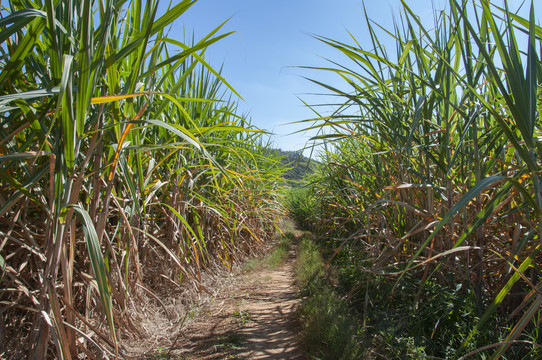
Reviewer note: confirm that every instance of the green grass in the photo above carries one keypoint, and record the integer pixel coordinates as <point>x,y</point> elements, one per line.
<point>309,266</point>
<point>329,331</point>
<point>279,254</point>
<point>273,259</point>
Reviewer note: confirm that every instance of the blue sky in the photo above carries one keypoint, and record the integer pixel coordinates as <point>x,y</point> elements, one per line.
<point>273,39</point>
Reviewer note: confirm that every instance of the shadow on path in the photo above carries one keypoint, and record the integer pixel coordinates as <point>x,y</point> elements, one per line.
<point>257,321</point>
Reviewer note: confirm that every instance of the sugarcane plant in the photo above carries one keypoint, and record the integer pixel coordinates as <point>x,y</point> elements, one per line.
<point>125,171</point>
<point>433,162</point>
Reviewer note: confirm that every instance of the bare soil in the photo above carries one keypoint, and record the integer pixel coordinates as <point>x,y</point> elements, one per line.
<point>251,318</point>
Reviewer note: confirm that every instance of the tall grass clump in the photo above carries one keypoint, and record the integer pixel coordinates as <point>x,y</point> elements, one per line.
<point>432,186</point>
<point>125,173</point>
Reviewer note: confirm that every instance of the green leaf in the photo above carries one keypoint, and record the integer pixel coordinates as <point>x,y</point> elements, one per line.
<point>65,111</point>
<point>98,265</point>
<point>471,194</point>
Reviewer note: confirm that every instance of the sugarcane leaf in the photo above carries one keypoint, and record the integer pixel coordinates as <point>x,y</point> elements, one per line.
<point>64,109</point>
<point>500,297</point>
<point>98,265</point>
<point>471,194</point>
<point>520,326</point>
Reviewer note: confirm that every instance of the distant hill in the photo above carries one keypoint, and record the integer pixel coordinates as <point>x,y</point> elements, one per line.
<point>300,166</point>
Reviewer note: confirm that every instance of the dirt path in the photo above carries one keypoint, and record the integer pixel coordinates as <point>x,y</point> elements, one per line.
<point>252,319</point>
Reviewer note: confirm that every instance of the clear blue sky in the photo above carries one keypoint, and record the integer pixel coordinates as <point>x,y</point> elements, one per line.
<point>274,37</point>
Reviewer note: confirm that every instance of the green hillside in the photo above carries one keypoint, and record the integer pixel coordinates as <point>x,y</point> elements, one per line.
<point>298,165</point>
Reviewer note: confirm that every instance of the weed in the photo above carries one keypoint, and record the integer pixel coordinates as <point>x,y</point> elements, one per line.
<point>242,317</point>
<point>230,341</point>
<point>162,354</point>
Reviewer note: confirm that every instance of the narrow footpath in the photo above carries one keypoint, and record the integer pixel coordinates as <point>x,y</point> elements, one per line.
<point>253,319</point>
